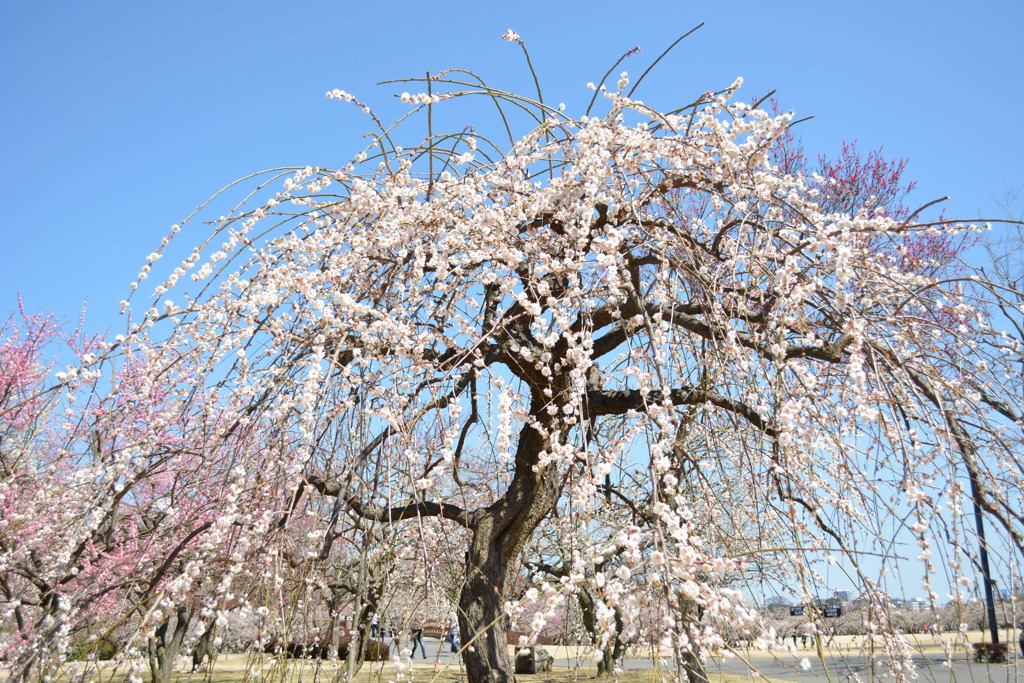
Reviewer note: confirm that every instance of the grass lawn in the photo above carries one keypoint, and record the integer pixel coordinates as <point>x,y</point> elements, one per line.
<point>232,669</point>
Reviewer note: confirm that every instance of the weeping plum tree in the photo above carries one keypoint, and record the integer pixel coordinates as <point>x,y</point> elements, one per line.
<point>454,338</point>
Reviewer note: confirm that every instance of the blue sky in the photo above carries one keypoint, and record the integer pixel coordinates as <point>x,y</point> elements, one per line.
<point>119,117</point>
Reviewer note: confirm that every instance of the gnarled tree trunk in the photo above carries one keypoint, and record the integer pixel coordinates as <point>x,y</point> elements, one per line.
<point>499,533</point>
<point>612,654</point>
<point>166,644</point>
<point>365,608</point>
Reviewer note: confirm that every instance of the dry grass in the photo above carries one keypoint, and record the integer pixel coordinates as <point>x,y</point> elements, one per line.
<point>234,669</point>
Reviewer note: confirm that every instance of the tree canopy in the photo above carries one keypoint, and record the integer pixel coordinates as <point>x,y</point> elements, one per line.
<point>636,332</point>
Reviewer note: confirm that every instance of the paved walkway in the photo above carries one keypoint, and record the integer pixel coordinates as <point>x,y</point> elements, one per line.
<point>842,668</point>
<point>845,669</point>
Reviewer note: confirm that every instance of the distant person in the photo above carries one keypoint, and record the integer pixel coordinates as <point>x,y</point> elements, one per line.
<point>375,626</point>
<point>416,636</point>
<point>453,633</point>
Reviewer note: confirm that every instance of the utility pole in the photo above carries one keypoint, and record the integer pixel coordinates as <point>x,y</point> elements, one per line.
<point>990,605</point>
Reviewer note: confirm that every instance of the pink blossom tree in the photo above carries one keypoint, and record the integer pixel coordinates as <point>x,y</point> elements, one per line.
<point>105,501</point>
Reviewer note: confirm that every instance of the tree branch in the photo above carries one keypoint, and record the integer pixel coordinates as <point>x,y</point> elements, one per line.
<point>390,515</point>
<point>617,402</point>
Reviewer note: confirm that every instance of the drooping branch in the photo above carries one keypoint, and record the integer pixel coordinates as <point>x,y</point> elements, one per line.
<point>831,353</point>
<point>394,514</point>
<point>171,557</point>
<point>618,402</point>
<point>967,449</point>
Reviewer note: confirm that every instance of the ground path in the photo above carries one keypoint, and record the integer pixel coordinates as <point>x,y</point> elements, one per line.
<point>844,664</point>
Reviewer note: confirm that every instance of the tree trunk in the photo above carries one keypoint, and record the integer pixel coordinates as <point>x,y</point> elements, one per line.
<point>334,602</point>
<point>370,607</point>
<point>588,610</point>
<point>163,649</point>
<point>203,648</point>
<point>482,618</point>
<point>689,665</point>
<point>499,533</point>
<point>363,613</point>
<point>39,654</point>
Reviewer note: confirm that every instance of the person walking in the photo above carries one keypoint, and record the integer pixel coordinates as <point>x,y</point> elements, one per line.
<point>394,633</point>
<point>454,634</point>
<point>416,636</point>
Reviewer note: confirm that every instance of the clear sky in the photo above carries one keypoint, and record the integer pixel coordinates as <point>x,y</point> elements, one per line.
<point>118,118</point>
